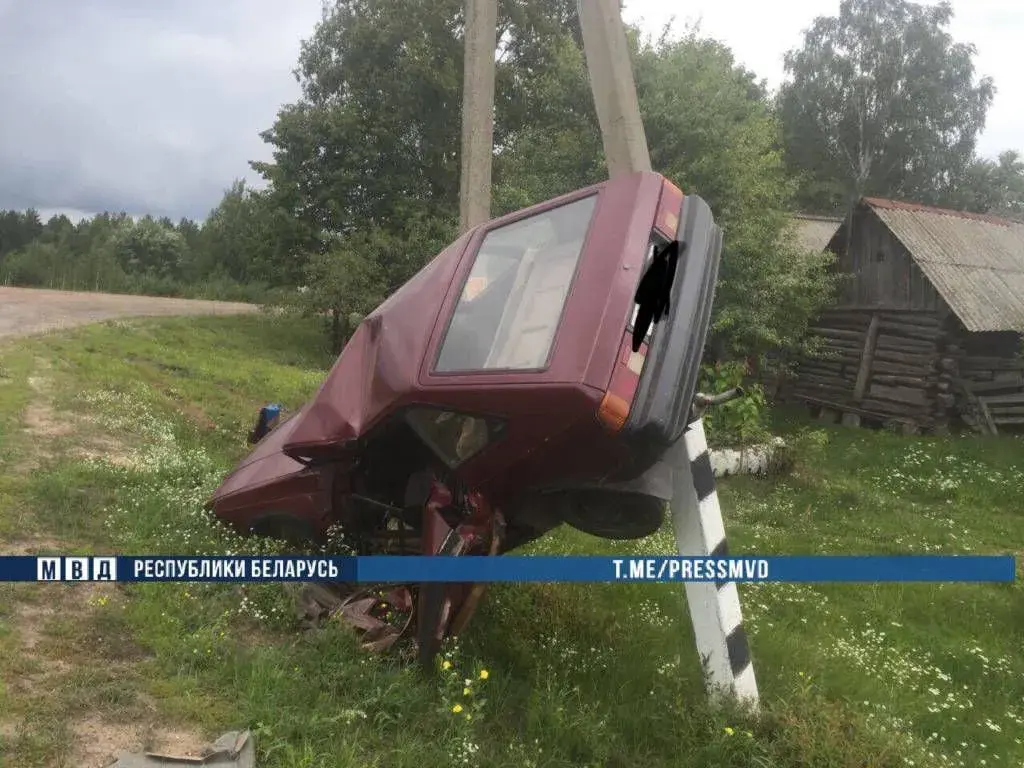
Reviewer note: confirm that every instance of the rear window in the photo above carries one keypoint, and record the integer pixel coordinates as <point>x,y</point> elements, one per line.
<point>512,302</point>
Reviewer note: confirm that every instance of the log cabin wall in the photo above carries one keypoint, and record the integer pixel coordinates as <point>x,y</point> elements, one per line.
<point>883,349</point>
<point>989,382</point>
<point>892,349</point>
<point>885,365</point>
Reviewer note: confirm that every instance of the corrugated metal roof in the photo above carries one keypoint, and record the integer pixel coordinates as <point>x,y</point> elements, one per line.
<point>813,233</point>
<point>975,262</point>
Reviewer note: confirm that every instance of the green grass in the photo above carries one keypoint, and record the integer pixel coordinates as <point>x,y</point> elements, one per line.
<point>578,675</point>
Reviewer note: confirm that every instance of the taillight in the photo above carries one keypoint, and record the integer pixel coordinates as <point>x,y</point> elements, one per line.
<point>614,408</point>
<point>666,220</point>
<point>613,412</point>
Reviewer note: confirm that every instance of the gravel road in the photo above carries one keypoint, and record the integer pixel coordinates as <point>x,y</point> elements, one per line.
<point>26,311</point>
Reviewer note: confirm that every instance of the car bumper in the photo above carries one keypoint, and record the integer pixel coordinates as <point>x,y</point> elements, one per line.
<point>661,408</point>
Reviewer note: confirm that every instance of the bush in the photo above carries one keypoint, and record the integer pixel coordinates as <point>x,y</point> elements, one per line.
<point>739,422</point>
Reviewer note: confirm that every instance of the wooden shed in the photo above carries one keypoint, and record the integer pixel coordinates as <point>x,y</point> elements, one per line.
<point>927,330</point>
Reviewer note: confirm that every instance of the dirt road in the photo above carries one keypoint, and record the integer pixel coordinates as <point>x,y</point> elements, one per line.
<point>26,311</point>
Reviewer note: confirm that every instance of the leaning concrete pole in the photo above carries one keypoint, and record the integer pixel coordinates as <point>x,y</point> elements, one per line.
<point>477,113</point>
<point>696,516</point>
<point>611,80</point>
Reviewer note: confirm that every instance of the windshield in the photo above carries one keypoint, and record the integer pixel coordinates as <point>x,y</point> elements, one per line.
<point>512,302</point>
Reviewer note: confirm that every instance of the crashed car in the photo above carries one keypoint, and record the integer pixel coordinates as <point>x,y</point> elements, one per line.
<point>535,373</point>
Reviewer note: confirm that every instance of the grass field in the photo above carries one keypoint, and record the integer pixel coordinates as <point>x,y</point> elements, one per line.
<point>111,438</point>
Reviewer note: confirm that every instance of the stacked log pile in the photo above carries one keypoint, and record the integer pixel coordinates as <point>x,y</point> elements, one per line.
<point>885,366</point>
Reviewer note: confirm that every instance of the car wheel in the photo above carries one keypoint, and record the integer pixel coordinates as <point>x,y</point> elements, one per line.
<point>614,515</point>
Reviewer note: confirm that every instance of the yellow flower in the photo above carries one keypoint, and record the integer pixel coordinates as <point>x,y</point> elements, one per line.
<point>484,674</point>
<point>469,716</point>
<point>465,691</point>
<point>729,731</point>
<point>457,708</point>
<point>446,665</point>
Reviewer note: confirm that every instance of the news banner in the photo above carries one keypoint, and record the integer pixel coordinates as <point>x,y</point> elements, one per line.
<point>511,568</point>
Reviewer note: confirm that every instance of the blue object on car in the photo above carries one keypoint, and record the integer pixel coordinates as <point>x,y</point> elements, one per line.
<point>267,420</point>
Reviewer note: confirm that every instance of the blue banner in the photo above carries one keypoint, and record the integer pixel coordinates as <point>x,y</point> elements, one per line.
<point>515,568</point>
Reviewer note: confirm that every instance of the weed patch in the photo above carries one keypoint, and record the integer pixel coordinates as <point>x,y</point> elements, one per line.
<point>547,675</point>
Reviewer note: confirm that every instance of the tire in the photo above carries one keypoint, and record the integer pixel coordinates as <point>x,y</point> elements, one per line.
<point>614,515</point>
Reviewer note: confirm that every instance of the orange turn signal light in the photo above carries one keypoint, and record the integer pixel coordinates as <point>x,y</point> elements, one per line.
<point>613,412</point>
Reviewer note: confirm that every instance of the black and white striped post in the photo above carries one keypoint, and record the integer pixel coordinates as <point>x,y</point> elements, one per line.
<point>714,607</point>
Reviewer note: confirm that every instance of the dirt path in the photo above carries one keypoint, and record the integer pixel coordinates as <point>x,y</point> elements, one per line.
<point>52,640</point>
<point>26,311</point>
<point>64,656</point>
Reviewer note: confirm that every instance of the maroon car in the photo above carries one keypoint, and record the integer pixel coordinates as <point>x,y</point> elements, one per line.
<point>533,374</point>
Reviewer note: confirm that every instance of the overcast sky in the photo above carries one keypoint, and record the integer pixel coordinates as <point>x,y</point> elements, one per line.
<point>155,106</point>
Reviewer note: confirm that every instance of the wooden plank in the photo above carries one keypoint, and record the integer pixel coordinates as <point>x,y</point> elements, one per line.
<point>834,382</point>
<point>920,319</point>
<point>1006,376</point>
<point>987,417</point>
<point>822,365</point>
<point>991,363</point>
<point>839,319</point>
<point>920,382</point>
<point>891,407</point>
<point>1014,420</point>
<point>866,358</point>
<point>827,349</point>
<point>991,386</point>
<point>845,407</point>
<point>999,412</point>
<point>1012,399</point>
<point>838,334</point>
<point>815,393</point>
<point>904,358</point>
<point>915,332</point>
<point>897,369</point>
<point>907,395</point>
<point>888,341</point>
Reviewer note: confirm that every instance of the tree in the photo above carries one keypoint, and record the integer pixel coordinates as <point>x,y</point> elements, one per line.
<point>346,280</point>
<point>994,187</point>
<point>880,100</point>
<point>374,138</point>
<point>18,229</point>
<point>149,248</point>
<point>248,239</point>
<point>710,129</point>
<point>374,141</point>
<point>371,165</point>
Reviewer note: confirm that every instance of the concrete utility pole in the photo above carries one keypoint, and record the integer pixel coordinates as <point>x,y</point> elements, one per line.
<point>477,113</point>
<point>697,518</point>
<point>611,80</point>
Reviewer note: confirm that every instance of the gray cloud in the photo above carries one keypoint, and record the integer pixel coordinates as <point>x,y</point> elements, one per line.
<point>155,106</point>
<point>144,107</point>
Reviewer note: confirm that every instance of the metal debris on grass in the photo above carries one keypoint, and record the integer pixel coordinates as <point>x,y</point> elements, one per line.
<point>235,749</point>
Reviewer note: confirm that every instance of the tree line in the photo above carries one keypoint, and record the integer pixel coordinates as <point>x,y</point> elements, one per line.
<point>239,252</point>
<point>363,185</point>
